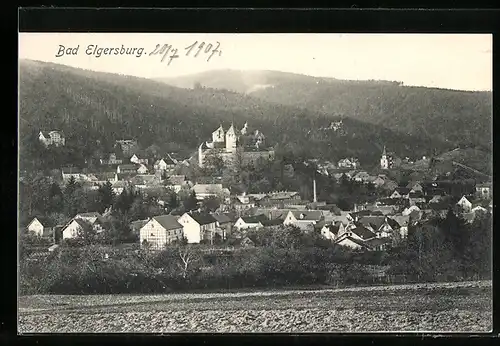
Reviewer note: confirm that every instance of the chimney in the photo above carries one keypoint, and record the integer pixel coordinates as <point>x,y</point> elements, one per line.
<point>314,191</point>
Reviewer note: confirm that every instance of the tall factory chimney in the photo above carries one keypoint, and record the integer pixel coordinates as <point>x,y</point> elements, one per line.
<point>315,199</point>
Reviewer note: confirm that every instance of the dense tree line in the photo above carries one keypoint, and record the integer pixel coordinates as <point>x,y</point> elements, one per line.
<point>441,250</point>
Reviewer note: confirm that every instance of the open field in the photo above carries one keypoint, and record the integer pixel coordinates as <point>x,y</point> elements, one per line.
<point>447,307</point>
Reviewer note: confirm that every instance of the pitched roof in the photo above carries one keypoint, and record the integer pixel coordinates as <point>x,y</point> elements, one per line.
<point>363,232</point>
<point>221,218</point>
<point>130,167</point>
<point>374,221</point>
<point>207,188</point>
<point>143,179</point>
<point>378,241</point>
<point>274,222</point>
<point>255,218</point>
<point>402,220</point>
<point>354,240</point>
<point>402,190</point>
<point>281,195</point>
<point>138,224</point>
<point>416,194</point>
<point>393,223</point>
<point>169,160</point>
<point>177,179</point>
<point>89,214</point>
<point>168,222</point>
<point>202,218</point>
<point>311,215</point>
<point>104,176</point>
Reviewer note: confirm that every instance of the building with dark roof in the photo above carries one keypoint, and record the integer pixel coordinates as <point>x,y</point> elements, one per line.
<point>159,231</point>
<point>198,226</point>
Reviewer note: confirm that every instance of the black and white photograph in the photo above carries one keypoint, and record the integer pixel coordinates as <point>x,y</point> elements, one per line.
<point>255,183</point>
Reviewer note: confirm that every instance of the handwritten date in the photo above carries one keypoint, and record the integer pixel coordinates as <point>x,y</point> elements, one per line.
<point>169,52</point>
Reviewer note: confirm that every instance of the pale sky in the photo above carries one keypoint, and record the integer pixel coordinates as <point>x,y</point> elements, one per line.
<point>452,61</point>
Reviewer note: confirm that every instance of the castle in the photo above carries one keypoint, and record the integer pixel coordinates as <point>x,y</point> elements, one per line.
<point>230,144</point>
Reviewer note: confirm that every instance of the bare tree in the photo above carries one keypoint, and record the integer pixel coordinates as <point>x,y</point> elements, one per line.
<point>187,257</point>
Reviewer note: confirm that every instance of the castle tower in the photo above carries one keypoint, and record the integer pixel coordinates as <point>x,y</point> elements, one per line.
<point>200,155</point>
<point>231,139</point>
<point>218,135</point>
<point>244,130</point>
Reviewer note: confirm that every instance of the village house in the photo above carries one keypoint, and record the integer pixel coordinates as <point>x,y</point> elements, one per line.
<point>40,227</point>
<point>160,231</point>
<point>55,138</point>
<point>352,163</point>
<point>272,223</point>
<point>304,220</point>
<point>203,191</point>
<point>401,192</point>
<point>331,231</point>
<point>416,197</point>
<point>165,165</point>
<point>242,202</point>
<point>376,181</point>
<point>177,182</point>
<point>111,159</point>
<point>224,221</point>
<point>464,205</point>
<point>198,226</point>
<point>279,199</point>
<point>247,222</point>
<point>483,191</point>
<point>361,176</point>
<point>415,187</point>
<point>80,222</point>
<point>355,238</point>
<point>143,181</point>
<point>137,160</point>
<point>119,186</point>
<point>104,177</point>
<point>389,185</point>
<point>378,244</point>
<point>142,169</point>
<point>75,173</point>
<point>127,146</point>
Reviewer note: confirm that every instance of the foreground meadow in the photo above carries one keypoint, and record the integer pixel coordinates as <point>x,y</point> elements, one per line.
<point>447,307</point>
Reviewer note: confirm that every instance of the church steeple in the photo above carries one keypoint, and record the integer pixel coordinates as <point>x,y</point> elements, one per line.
<point>384,152</point>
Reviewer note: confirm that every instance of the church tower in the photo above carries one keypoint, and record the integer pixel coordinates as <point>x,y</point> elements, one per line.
<point>231,139</point>
<point>218,135</point>
<point>384,160</point>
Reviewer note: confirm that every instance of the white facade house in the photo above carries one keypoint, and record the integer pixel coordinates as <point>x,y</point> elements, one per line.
<point>197,226</point>
<point>142,169</point>
<point>483,191</point>
<point>36,227</point>
<point>304,220</point>
<point>72,229</point>
<point>465,204</point>
<point>246,222</point>
<point>160,231</point>
<point>55,138</point>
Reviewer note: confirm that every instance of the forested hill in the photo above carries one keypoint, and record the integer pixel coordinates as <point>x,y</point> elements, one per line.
<point>460,117</point>
<point>92,106</point>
